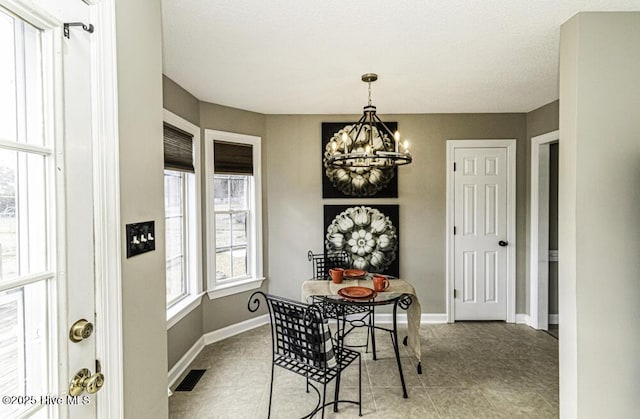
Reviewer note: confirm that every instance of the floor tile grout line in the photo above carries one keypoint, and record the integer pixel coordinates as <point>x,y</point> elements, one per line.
<point>433,403</point>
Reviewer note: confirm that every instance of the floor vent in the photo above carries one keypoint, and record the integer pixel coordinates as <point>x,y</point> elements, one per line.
<point>190,380</point>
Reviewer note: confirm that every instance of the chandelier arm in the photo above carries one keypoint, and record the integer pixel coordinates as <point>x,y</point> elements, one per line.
<point>357,124</point>
<point>384,126</point>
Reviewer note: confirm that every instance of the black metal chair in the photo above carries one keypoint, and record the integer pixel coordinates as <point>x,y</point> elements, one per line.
<point>302,344</point>
<point>321,263</point>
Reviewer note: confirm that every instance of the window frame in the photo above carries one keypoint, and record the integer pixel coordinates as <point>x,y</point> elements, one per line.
<point>248,211</point>
<point>193,227</point>
<point>185,209</point>
<point>229,286</point>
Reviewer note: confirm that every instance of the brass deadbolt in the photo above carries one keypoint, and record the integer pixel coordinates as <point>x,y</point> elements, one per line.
<point>80,330</point>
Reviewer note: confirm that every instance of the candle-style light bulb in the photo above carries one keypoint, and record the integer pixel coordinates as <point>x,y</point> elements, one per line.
<point>367,150</point>
<point>334,146</point>
<point>396,136</point>
<point>406,145</point>
<point>344,141</point>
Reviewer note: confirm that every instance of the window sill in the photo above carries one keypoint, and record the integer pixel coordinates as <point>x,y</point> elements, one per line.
<point>236,287</point>
<point>178,311</point>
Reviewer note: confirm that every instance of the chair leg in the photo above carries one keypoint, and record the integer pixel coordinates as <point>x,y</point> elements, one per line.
<point>368,332</point>
<point>271,390</point>
<point>373,332</point>
<point>359,385</point>
<point>324,397</point>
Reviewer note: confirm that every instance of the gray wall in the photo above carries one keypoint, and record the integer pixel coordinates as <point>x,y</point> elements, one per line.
<point>295,207</point>
<point>539,121</point>
<point>599,206</point>
<point>179,101</point>
<point>139,66</point>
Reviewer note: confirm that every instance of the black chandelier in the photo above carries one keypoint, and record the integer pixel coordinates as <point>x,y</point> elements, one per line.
<point>369,142</point>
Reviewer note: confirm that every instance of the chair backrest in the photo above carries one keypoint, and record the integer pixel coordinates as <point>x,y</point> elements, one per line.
<point>299,332</point>
<point>322,262</point>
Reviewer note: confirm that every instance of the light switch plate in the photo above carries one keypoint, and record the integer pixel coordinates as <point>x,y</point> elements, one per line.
<point>141,238</point>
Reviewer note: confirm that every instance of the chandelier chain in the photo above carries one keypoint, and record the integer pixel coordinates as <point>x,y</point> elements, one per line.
<point>369,93</point>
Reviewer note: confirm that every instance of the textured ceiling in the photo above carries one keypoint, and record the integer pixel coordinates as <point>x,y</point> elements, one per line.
<point>297,56</point>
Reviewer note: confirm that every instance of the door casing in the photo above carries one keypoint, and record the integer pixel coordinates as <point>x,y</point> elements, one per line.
<point>510,145</point>
<point>539,231</point>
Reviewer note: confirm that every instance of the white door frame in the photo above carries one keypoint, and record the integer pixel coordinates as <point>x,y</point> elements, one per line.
<point>510,145</point>
<point>539,230</point>
<point>106,186</point>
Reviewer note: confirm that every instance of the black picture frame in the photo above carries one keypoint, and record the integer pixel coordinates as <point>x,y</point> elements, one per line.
<point>329,190</point>
<point>374,225</point>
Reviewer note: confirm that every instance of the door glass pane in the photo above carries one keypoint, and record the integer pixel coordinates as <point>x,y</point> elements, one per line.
<point>23,344</point>
<point>221,193</point>
<point>23,227</point>
<point>238,192</point>
<point>223,264</point>
<point>7,78</point>
<point>21,108</point>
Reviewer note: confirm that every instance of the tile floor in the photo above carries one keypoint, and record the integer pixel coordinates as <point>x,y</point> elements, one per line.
<point>470,370</point>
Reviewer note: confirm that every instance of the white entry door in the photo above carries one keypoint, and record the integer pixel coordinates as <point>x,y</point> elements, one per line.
<point>480,237</point>
<point>46,212</point>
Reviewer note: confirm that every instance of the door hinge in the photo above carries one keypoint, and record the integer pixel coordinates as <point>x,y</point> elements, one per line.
<point>454,166</point>
<point>455,293</point>
<point>455,230</point>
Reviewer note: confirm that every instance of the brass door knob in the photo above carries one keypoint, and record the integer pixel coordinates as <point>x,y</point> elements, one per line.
<point>80,330</point>
<point>95,383</point>
<point>84,380</point>
<point>78,382</point>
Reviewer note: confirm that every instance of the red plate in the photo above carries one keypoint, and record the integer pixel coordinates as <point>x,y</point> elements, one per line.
<point>354,273</point>
<point>356,293</point>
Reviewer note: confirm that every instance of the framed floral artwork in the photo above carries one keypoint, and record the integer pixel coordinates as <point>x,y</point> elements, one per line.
<point>369,234</point>
<point>356,182</point>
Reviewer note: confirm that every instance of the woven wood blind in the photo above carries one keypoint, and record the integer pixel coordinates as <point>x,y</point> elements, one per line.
<point>232,158</point>
<point>178,149</point>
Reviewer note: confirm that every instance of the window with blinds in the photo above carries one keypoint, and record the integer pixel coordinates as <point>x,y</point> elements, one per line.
<point>233,168</point>
<point>179,203</point>
<point>234,212</point>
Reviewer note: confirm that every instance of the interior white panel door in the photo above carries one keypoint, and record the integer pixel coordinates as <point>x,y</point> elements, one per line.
<point>480,271</point>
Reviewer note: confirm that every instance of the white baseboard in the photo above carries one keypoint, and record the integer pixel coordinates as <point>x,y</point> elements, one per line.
<point>176,371</point>
<point>208,338</point>
<point>234,329</point>
<point>522,319</point>
<point>426,318</point>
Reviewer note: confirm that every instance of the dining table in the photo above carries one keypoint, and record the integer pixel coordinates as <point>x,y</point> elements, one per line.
<point>399,294</point>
